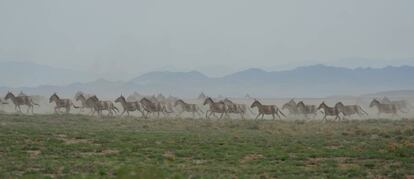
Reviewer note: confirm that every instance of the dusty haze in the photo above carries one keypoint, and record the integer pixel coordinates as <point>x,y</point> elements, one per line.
<point>128,38</point>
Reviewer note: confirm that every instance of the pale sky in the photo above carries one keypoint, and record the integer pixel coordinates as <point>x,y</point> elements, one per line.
<point>212,36</point>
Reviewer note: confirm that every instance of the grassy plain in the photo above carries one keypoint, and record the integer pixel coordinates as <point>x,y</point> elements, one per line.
<point>76,146</point>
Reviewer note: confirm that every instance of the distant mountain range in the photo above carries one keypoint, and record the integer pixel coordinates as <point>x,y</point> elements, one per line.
<point>32,74</point>
<point>308,81</point>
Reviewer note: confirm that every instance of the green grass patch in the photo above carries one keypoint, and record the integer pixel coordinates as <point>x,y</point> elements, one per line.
<point>76,146</point>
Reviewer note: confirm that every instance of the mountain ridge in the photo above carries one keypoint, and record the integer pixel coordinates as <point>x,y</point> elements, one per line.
<point>307,81</point>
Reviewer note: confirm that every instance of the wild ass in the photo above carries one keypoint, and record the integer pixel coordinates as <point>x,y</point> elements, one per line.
<point>129,106</point>
<point>384,108</point>
<point>349,110</point>
<point>21,101</point>
<point>82,98</point>
<point>215,107</point>
<point>329,111</point>
<point>100,106</point>
<point>235,108</point>
<point>291,106</point>
<point>186,107</point>
<point>61,103</point>
<point>306,109</point>
<point>266,110</point>
<point>152,107</point>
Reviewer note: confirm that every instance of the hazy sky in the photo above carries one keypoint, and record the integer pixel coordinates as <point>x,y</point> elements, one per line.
<point>213,36</point>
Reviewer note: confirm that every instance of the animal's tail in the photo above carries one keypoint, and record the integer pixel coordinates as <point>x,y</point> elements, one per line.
<point>31,100</point>
<point>281,112</point>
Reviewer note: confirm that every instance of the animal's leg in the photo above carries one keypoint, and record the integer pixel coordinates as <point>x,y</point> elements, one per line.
<point>278,115</point>
<point>273,116</point>
<point>110,112</point>
<point>257,116</point>
<point>211,113</point>
<point>221,116</point>
<point>208,116</point>
<point>141,112</point>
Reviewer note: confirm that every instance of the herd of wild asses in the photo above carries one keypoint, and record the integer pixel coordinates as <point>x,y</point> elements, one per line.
<point>153,106</point>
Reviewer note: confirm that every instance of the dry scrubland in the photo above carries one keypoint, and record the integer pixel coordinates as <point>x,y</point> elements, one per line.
<point>82,146</point>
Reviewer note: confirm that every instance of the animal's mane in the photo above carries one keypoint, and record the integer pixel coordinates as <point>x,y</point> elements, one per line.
<point>146,99</point>
<point>180,100</point>
<point>94,97</point>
